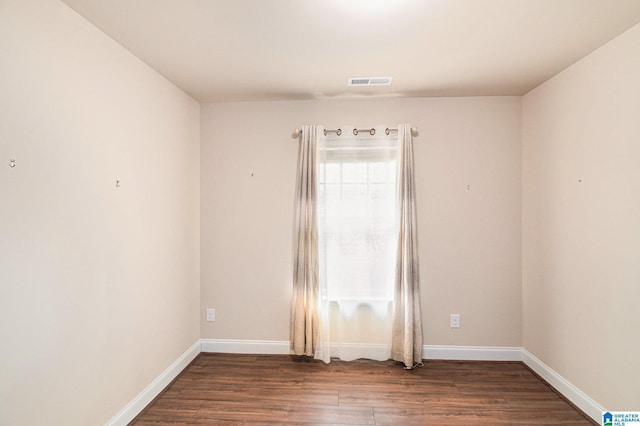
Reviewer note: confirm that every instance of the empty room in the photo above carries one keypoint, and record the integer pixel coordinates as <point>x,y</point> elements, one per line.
<point>319,212</point>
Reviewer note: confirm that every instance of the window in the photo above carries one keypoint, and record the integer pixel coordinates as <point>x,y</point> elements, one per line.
<point>357,228</point>
<point>346,197</point>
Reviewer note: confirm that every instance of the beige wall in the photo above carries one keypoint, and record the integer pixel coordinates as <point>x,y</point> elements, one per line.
<point>581,223</point>
<point>534,244</point>
<point>99,286</point>
<point>470,240</point>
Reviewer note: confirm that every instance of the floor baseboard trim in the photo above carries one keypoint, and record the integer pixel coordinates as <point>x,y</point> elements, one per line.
<point>256,347</point>
<point>472,353</point>
<point>135,407</point>
<point>271,347</point>
<point>562,385</point>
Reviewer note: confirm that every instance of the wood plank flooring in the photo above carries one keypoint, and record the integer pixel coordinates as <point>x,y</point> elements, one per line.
<point>278,389</point>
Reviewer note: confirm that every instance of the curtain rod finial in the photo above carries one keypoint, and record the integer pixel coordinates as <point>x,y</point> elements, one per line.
<point>414,131</point>
<point>296,133</point>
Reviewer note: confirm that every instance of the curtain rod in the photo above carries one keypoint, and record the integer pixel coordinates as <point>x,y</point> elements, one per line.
<point>372,131</point>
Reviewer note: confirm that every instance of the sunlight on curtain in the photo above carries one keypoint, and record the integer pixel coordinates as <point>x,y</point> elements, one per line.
<point>305,303</point>
<point>407,322</point>
<point>357,242</point>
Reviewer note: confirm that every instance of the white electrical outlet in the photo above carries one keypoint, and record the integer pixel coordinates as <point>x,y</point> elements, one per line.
<point>455,320</point>
<point>211,314</point>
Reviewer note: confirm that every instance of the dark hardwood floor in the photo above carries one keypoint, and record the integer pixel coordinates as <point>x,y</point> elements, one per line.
<point>279,389</point>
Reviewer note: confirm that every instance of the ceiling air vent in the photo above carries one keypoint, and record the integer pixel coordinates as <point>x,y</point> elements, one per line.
<point>369,81</point>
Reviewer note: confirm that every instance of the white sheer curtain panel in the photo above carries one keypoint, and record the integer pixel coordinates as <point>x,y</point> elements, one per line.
<point>305,312</point>
<point>407,322</point>
<point>356,280</point>
<point>357,241</point>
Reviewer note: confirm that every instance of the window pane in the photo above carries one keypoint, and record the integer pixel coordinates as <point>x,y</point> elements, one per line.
<point>382,200</point>
<point>354,172</point>
<point>382,172</point>
<point>332,172</point>
<point>357,224</point>
<point>354,201</point>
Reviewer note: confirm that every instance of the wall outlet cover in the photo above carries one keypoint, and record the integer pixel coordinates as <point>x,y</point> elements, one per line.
<point>211,314</point>
<point>455,320</point>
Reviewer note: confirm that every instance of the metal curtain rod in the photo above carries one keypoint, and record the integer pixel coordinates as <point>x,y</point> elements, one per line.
<point>372,131</point>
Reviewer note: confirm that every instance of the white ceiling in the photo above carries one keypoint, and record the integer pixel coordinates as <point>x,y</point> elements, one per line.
<point>237,50</point>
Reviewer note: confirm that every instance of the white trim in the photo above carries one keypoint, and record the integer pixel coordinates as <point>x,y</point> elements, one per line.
<point>347,352</point>
<point>472,353</point>
<point>257,347</point>
<point>275,347</point>
<point>135,407</point>
<point>562,385</point>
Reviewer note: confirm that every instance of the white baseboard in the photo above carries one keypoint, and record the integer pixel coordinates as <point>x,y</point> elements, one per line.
<point>257,347</point>
<point>274,347</point>
<point>572,393</point>
<point>472,353</point>
<point>271,347</point>
<point>131,410</point>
